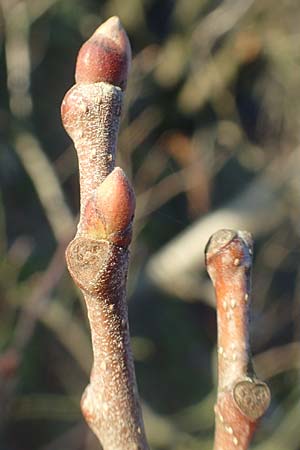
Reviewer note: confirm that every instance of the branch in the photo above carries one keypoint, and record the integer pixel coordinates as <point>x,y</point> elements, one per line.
<point>98,256</point>
<point>242,398</point>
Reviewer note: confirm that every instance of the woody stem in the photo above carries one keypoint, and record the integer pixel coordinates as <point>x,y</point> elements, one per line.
<point>241,399</point>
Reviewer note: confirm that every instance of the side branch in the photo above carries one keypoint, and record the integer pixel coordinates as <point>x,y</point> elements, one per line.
<point>242,398</point>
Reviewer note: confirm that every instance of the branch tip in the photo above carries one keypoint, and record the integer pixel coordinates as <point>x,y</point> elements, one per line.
<point>239,244</point>
<point>106,56</point>
<point>217,241</point>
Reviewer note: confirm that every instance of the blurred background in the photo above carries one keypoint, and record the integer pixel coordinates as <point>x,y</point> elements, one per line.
<point>210,139</point>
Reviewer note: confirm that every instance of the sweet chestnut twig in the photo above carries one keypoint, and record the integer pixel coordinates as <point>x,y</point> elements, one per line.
<point>242,399</point>
<point>97,257</point>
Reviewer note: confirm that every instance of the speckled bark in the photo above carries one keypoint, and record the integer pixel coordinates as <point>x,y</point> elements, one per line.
<point>242,399</point>
<point>97,258</point>
<point>91,116</point>
<point>110,402</point>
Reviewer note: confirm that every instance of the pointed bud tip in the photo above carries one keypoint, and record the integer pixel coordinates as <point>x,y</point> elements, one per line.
<point>117,197</point>
<point>106,56</point>
<point>111,28</point>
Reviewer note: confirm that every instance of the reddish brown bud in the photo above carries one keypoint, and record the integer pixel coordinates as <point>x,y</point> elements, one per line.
<point>94,225</point>
<point>106,56</point>
<point>109,215</point>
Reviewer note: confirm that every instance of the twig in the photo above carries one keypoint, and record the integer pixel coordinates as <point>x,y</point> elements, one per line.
<point>98,256</point>
<point>242,398</point>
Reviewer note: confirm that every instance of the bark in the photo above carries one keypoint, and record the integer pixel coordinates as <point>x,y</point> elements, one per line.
<point>242,399</point>
<point>97,258</point>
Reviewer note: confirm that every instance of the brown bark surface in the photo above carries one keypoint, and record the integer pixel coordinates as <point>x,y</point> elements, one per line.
<point>97,258</point>
<point>242,399</point>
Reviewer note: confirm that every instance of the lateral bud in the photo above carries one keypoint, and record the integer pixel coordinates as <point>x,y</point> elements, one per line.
<point>109,214</point>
